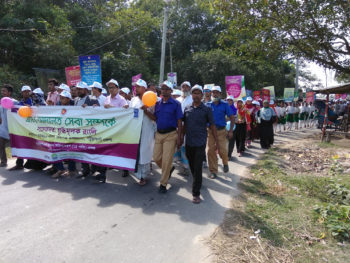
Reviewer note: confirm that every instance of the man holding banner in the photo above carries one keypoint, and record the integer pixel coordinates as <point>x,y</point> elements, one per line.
<point>147,133</point>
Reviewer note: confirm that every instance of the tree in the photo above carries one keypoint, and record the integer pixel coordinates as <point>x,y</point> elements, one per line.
<point>316,30</point>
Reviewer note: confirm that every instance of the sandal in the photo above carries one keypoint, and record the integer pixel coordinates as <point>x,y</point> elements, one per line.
<point>142,182</point>
<point>212,176</point>
<point>196,200</point>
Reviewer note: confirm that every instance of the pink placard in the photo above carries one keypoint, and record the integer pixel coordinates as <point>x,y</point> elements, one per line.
<point>233,85</point>
<point>310,96</point>
<point>73,75</point>
<point>133,80</point>
<point>257,95</point>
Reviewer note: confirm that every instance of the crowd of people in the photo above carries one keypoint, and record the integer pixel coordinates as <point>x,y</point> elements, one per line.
<point>191,126</point>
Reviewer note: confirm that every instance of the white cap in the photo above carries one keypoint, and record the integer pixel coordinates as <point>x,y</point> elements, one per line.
<point>187,83</point>
<point>104,91</point>
<point>82,85</point>
<point>217,88</point>
<point>206,86</point>
<point>66,94</point>
<point>256,102</point>
<point>64,87</point>
<point>176,92</point>
<point>113,81</point>
<point>250,98</point>
<point>24,88</point>
<point>229,98</point>
<point>96,85</point>
<point>196,87</point>
<point>272,102</point>
<point>38,91</point>
<point>168,84</point>
<point>141,83</point>
<point>125,90</point>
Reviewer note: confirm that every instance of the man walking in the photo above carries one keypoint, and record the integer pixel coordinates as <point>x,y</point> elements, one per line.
<point>196,119</point>
<point>168,115</point>
<point>221,109</point>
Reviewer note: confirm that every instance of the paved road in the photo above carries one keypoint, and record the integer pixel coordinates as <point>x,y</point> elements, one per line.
<point>74,220</point>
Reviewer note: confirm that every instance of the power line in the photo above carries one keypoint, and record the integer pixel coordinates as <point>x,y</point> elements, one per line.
<point>37,29</point>
<point>109,42</point>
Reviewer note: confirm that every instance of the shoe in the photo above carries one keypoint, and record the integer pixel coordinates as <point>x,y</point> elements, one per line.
<point>162,189</point>
<point>225,168</point>
<point>142,182</point>
<point>125,173</point>
<point>3,165</point>
<point>171,171</point>
<point>83,175</point>
<point>240,154</point>
<point>17,167</point>
<point>196,200</point>
<point>57,174</point>
<point>212,176</point>
<point>101,178</point>
<point>69,174</point>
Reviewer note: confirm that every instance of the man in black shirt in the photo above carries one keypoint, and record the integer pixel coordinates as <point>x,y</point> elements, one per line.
<point>196,119</point>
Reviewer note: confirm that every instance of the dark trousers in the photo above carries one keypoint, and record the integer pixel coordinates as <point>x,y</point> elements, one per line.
<point>266,136</point>
<point>231,144</point>
<point>94,168</point>
<point>19,162</point>
<point>241,130</point>
<point>3,157</point>
<point>60,166</point>
<point>195,156</point>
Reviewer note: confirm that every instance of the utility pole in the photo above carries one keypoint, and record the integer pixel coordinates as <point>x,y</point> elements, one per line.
<point>297,76</point>
<point>162,58</point>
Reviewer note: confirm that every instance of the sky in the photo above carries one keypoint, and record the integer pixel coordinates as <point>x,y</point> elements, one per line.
<point>320,73</point>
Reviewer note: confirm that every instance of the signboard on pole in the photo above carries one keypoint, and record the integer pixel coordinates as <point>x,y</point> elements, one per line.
<point>90,67</point>
<point>310,97</point>
<point>265,94</point>
<point>288,94</point>
<point>256,95</point>
<point>272,91</point>
<point>234,85</point>
<point>172,77</point>
<point>73,75</point>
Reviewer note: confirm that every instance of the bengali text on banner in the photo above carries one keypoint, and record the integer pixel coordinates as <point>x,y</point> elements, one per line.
<point>105,137</point>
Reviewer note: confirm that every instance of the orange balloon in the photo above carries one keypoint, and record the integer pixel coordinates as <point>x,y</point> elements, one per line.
<point>25,111</point>
<point>149,98</point>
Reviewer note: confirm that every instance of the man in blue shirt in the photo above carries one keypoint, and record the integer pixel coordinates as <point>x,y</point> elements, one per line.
<point>221,109</point>
<point>168,114</point>
<point>197,117</point>
<point>25,101</point>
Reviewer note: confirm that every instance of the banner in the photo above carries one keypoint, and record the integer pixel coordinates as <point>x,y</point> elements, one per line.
<point>256,95</point>
<point>288,94</point>
<point>265,94</point>
<point>134,79</point>
<point>310,97</point>
<point>73,76</point>
<point>95,135</point>
<point>272,91</point>
<point>341,96</point>
<point>234,85</point>
<point>90,67</point>
<point>243,94</point>
<point>172,77</point>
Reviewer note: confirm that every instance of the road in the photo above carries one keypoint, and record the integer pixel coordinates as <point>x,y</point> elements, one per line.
<point>74,220</point>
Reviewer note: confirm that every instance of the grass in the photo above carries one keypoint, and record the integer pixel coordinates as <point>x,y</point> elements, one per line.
<point>281,204</point>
